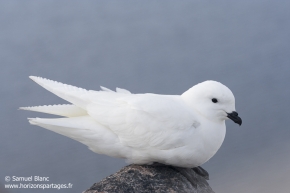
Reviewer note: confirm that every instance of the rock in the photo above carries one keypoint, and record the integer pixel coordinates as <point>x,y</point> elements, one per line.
<point>148,179</point>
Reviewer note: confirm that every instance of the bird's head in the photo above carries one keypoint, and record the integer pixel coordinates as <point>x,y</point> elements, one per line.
<point>212,100</point>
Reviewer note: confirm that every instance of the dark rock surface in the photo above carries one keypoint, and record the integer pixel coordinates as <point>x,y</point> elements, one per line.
<point>144,178</point>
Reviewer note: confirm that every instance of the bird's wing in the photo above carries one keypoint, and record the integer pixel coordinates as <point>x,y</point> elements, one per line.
<point>143,120</point>
<point>139,120</point>
<point>78,96</point>
<point>67,92</point>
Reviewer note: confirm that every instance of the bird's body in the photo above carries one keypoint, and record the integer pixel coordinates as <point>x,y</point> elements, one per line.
<point>180,130</point>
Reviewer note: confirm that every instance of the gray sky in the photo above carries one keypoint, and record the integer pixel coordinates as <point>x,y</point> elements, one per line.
<point>154,46</point>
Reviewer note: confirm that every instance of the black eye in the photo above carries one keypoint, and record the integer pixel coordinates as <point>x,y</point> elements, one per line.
<point>214,100</point>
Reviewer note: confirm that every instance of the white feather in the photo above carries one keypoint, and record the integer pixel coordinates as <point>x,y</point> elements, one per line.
<point>121,90</point>
<point>65,110</point>
<point>106,89</point>
<point>87,131</point>
<point>69,93</point>
<point>182,130</point>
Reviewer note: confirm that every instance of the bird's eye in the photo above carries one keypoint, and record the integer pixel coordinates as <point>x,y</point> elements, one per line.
<point>214,100</point>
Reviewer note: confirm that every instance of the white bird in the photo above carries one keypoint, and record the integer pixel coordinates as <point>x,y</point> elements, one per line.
<point>180,130</point>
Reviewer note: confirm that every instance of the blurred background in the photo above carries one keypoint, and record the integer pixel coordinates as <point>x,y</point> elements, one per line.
<point>160,47</point>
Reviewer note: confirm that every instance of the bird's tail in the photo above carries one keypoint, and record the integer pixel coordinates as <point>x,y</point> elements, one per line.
<point>66,110</point>
<point>85,130</point>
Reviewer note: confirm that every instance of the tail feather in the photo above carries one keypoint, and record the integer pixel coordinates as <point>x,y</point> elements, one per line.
<point>66,110</point>
<point>87,131</point>
<point>79,125</point>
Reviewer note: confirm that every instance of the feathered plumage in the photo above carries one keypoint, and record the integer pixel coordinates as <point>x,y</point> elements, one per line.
<point>142,128</point>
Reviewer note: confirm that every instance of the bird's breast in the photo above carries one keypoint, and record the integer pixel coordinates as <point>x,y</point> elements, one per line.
<point>207,140</point>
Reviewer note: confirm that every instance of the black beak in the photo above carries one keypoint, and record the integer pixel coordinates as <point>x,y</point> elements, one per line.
<point>234,117</point>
